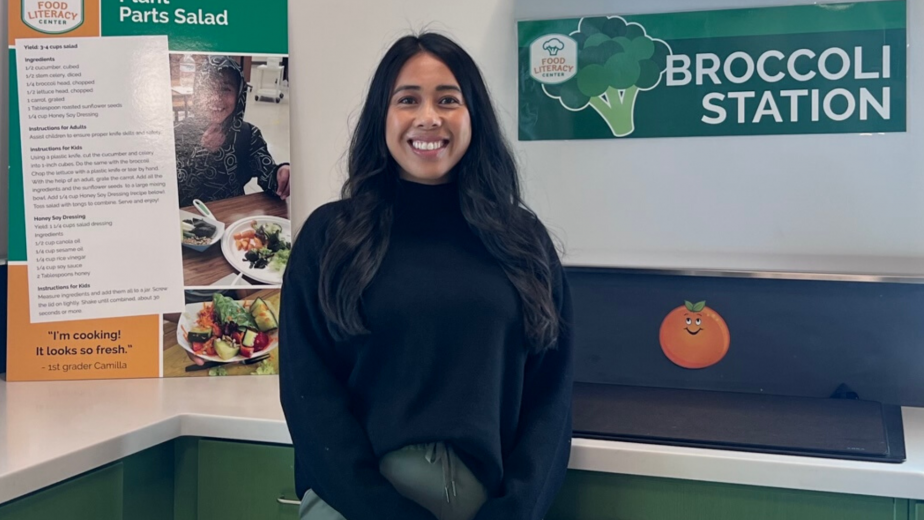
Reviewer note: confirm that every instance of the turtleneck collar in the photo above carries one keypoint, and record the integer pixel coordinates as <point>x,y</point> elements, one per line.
<point>427,201</point>
<point>413,194</point>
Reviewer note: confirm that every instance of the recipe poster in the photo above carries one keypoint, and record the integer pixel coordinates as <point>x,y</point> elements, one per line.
<point>149,188</point>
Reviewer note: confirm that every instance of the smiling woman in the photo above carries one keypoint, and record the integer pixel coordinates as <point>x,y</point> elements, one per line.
<point>427,360</point>
<point>428,125</point>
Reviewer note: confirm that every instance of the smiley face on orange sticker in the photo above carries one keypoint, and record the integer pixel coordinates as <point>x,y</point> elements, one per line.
<point>694,336</point>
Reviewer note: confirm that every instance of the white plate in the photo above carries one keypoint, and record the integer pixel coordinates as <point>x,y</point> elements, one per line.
<point>232,280</point>
<point>236,258</point>
<point>188,321</point>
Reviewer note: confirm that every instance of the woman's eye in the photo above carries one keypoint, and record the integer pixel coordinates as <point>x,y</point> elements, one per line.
<point>405,101</point>
<point>450,101</point>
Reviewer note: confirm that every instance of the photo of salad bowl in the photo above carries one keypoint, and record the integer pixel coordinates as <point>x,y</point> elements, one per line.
<point>199,233</point>
<point>259,247</point>
<point>225,330</point>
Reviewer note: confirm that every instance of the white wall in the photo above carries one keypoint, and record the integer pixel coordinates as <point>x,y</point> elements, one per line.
<point>796,203</point>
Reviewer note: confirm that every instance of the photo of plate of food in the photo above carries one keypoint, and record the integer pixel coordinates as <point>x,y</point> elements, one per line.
<point>200,233</point>
<point>227,330</point>
<point>259,247</point>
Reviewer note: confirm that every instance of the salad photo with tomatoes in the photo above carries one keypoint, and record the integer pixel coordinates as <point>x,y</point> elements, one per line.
<point>226,328</point>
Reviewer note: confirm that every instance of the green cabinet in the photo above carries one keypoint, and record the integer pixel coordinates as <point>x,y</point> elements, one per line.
<point>139,487</point>
<point>208,479</point>
<point>603,496</point>
<point>147,484</point>
<point>239,480</point>
<point>187,479</point>
<point>96,495</point>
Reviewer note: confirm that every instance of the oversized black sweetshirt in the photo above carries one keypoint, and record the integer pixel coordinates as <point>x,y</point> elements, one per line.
<point>446,360</point>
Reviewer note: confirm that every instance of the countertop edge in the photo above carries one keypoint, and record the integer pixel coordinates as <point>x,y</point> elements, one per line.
<point>706,465</point>
<point>751,469</point>
<point>213,409</point>
<point>55,471</point>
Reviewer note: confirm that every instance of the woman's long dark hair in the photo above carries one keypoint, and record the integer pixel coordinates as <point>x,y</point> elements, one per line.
<point>489,194</point>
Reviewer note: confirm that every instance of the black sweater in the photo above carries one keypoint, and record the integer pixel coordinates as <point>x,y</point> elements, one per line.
<point>446,360</point>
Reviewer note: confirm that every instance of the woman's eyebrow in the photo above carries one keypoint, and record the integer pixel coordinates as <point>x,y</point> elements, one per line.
<point>440,88</point>
<point>405,87</point>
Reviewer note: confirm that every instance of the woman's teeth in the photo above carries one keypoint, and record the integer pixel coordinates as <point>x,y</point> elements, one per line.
<point>423,145</point>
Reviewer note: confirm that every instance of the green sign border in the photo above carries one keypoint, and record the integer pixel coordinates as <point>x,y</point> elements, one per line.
<point>777,22</point>
<point>16,225</point>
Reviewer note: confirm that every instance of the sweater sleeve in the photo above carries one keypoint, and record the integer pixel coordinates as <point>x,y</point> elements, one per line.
<point>331,446</point>
<point>262,166</point>
<point>535,467</point>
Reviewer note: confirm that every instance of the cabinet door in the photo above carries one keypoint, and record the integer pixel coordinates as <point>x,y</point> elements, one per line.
<point>93,496</point>
<point>243,481</point>
<point>147,484</point>
<point>601,496</point>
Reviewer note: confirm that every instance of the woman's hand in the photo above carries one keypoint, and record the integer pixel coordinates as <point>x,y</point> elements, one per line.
<point>282,181</point>
<point>213,138</point>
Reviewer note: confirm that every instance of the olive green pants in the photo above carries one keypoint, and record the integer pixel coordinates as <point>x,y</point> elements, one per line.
<point>430,474</point>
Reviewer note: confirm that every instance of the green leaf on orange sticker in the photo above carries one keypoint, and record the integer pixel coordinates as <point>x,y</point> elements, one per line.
<point>699,306</point>
<point>689,305</point>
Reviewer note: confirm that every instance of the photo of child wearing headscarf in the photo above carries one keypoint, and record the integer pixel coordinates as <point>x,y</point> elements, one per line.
<point>231,131</point>
<point>217,152</point>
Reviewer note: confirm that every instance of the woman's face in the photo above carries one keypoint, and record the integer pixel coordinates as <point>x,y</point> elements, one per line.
<point>217,97</point>
<point>427,128</point>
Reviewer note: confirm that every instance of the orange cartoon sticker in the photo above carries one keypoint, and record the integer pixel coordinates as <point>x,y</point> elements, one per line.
<point>694,336</point>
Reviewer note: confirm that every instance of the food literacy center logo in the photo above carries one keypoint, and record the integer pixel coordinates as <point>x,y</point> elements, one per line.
<point>604,64</point>
<point>607,62</point>
<point>52,17</point>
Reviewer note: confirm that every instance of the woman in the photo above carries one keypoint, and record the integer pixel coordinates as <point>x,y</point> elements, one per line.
<point>425,360</point>
<point>217,152</point>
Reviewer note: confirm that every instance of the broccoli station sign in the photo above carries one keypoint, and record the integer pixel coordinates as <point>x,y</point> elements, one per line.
<point>831,68</point>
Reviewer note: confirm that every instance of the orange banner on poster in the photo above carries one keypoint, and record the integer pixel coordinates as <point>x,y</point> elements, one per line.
<point>52,19</point>
<point>112,348</point>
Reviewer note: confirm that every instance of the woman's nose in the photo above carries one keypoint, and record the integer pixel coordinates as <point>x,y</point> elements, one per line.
<point>428,116</point>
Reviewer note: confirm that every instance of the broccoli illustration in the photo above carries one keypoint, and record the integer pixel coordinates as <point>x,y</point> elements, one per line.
<point>553,46</point>
<point>616,60</point>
